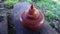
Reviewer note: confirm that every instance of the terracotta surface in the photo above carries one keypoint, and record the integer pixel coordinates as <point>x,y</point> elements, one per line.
<point>32,18</point>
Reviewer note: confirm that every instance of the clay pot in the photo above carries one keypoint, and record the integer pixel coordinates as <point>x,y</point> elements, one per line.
<point>32,18</point>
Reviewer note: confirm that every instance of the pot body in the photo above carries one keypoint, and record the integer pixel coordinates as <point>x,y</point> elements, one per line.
<point>32,24</point>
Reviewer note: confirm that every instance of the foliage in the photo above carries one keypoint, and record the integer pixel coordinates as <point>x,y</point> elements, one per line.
<point>30,1</point>
<point>52,10</point>
<point>52,7</point>
<point>10,3</point>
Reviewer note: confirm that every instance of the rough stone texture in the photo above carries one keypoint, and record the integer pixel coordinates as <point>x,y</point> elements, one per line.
<point>17,10</point>
<point>11,27</point>
<point>3,24</point>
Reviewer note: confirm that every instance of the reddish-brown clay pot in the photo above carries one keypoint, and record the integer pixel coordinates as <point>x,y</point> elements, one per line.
<point>32,18</point>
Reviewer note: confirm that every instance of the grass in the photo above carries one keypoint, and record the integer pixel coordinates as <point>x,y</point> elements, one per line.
<point>52,10</point>
<point>52,7</point>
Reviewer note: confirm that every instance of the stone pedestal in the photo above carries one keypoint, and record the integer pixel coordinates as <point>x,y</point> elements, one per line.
<point>3,23</point>
<point>2,1</point>
<point>1,4</point>
<point>3,18</point>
